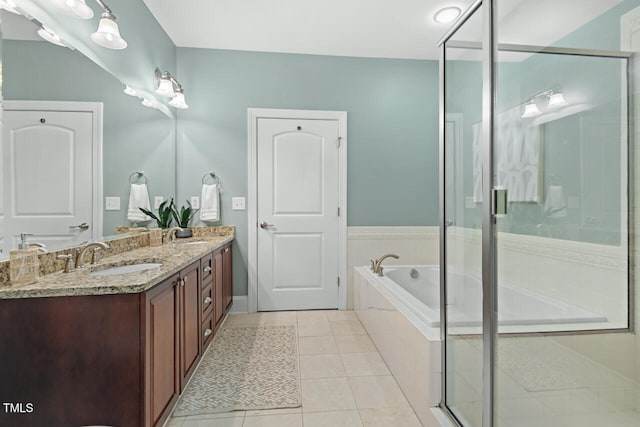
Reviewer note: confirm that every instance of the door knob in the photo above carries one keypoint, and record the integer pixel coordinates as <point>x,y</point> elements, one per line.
<point>264,224</point>
<point>83,226</point>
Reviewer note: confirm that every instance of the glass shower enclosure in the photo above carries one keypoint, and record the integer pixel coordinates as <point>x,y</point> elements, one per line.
<point>535,225</point>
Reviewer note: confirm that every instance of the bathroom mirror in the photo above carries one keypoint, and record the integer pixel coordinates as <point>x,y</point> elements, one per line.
<point>134,138</point>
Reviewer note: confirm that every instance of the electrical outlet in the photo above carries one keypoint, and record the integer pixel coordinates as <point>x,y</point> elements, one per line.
<point>238,203</point>
<point>112,203</point>
<point>157,201</point>
<point>195,202</point>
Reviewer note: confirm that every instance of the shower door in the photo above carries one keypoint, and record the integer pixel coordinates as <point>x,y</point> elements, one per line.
<point>534,219</point>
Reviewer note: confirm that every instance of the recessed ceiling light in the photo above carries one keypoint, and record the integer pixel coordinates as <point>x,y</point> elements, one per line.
<point>447,14</point>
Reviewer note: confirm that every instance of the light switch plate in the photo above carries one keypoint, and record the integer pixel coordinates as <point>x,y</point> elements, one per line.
<point>157,201</point>
<point>195,202</point>
<point>238,203</point>
<point>112,203</point>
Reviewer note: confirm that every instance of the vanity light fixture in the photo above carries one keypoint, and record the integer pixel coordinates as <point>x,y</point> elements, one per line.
<point>147,103</point>
<point>447,14</point>
<point>169,86</point>
<point>531,110</point>
<point>543,102</point>
<point>129,91</point>
<point>108,33</point>
<point>9,6</point>
<point>50,36</point>
<point>178,101</point>
<point>75,8</point>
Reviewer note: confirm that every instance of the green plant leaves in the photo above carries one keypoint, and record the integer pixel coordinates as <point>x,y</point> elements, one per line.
<point>184,215</point>
<point>165,213</point>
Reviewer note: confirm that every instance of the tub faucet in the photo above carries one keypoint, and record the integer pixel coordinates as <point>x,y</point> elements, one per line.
<point>377,264</point>
<point>96,245</point>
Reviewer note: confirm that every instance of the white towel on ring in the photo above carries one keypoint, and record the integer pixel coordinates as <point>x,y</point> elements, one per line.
<point>138,198</point>
<point>210,203</point>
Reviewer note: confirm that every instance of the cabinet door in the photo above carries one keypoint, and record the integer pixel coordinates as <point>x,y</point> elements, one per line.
<point>218,307</point>
<point>162,382</point>
<point>189,321</point>
<point>227,277</point>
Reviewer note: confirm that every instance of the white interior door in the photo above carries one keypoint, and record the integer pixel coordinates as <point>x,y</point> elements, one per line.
<point>47,168</point>
<point>298,193</point>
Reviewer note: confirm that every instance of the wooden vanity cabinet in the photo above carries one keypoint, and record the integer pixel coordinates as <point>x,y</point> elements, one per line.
<point>218,302</point>
<point>189,322</point>
<point>161,350</point>
<point>227,277</point>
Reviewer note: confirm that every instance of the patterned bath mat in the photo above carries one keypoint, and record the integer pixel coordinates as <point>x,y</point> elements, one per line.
<point>245,368</point>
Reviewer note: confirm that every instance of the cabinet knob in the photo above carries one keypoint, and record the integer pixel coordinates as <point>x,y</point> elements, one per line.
<point>207,332</point>
<point>226,249</point>
<point>182,282</point>
<point>207,300</point>
<point>207,269</point>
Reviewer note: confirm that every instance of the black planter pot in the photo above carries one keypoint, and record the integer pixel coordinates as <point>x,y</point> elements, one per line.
<point>184,232</point>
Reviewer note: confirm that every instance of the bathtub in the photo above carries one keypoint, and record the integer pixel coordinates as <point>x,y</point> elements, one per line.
<point>419,288</point>
<point>401,315</point>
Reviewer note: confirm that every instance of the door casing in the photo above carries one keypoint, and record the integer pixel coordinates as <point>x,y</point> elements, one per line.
<point>253,114</point>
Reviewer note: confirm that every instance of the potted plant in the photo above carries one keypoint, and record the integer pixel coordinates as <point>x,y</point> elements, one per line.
<point>164,216</point>
<point>183,217</point>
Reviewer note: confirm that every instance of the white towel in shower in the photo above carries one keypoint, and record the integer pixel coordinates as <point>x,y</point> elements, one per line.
<point>554,205</point>
<point>138,198</point>
<point>210,203</point>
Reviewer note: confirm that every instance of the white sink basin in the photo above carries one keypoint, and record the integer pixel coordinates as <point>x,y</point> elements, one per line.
<point>124,269</point>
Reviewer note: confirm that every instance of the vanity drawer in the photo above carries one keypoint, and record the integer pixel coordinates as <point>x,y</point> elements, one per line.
<point>206,264</point>
<point>207,330</point>
<point>207,299</point>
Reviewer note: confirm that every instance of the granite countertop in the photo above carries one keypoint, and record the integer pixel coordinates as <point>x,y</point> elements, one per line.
<point>173,256</point>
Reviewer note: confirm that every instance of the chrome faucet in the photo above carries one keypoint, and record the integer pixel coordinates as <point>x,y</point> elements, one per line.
<point>171,234</point>
<point>376,266</point>
<point>95,246</point>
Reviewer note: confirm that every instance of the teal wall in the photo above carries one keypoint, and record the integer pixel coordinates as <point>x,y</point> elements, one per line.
<point>392,108</point>
<point>134,138</point>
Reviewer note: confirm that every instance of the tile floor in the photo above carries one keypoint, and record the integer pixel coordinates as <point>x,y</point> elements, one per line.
<point>344,380</point>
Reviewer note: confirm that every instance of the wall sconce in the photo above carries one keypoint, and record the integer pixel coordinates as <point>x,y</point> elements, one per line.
<point>542,102</point>
<point>50,36</point>
<point>10,6</point>
<point>169,87</point>
<point>108,33</point>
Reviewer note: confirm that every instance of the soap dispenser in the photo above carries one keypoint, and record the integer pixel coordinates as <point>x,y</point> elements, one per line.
<point>24,264</point>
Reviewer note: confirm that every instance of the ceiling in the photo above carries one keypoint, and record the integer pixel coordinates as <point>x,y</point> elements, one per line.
<point>361,28</point>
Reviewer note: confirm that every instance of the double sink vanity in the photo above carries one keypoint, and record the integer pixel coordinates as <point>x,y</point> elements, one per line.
<point>114,343</point>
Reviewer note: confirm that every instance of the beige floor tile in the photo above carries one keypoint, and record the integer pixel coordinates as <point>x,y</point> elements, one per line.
<point>251,319</point>
<point>232,414</point>
<point>337,315</point>
<point>317,345</point>
<point>386,417</point>
<point>215,422</point>
<point>321,366</point>
<point>347,327</point>
<point>281,411</point>
<point>286,420</point>
<point>377,392</point>
<point>360,364</point>
<point>313,328</point>
<point>332,419</point>
<point>326,394</point>
<point>174,422</point>
<point>280,317</point>
<point>311,315</point>
<point>354,344</point>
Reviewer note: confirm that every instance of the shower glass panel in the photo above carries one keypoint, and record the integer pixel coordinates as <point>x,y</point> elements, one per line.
<point>560,150</point>
<point>462,221</point>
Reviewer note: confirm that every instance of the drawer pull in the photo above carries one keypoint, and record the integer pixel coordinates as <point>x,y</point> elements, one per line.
<point>207,332</point>
<point>207,269</point>
<point>207,300</point>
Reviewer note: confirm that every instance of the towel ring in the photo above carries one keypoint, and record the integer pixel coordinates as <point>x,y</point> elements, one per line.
<point>139,174</point>
<point>212,175</point>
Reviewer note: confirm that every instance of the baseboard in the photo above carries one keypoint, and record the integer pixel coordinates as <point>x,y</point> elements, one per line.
<point>240,305</point>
